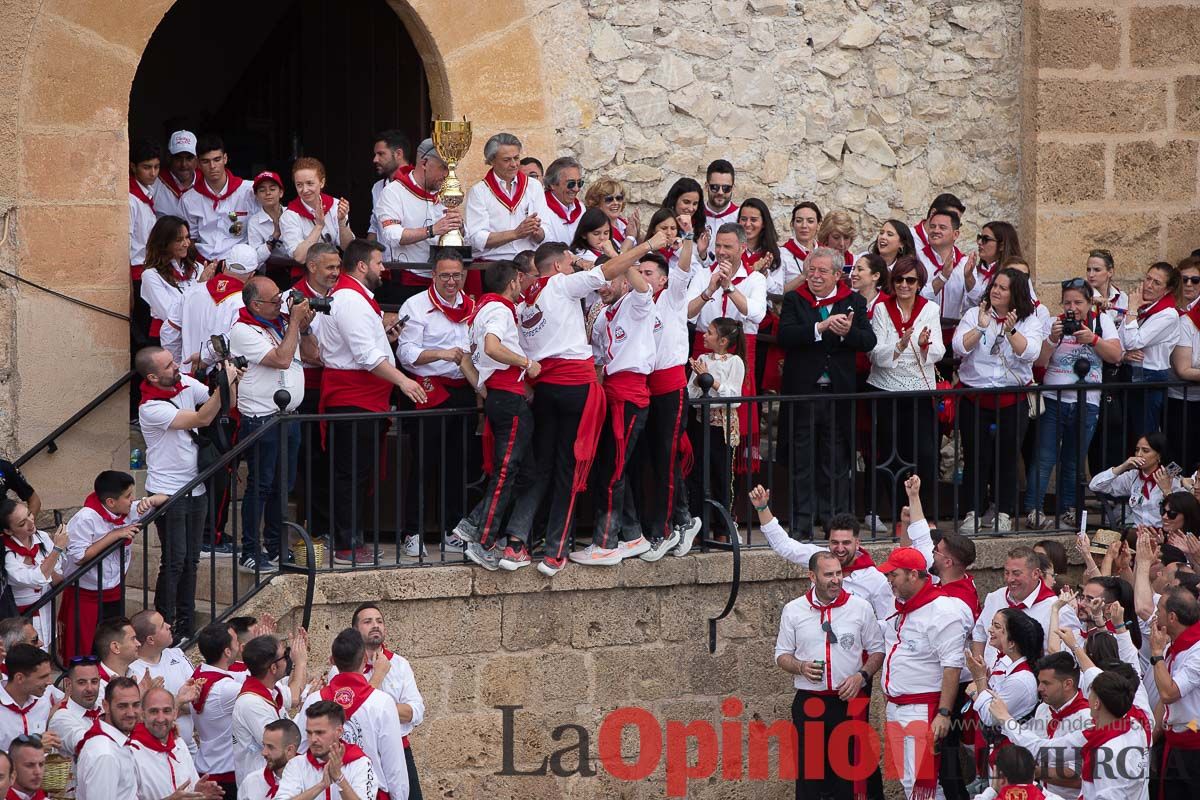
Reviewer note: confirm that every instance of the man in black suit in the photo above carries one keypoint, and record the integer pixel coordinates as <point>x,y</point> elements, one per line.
<point>822,325</point>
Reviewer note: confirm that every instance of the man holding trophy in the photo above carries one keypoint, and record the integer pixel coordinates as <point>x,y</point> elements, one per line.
<point>506,212</point>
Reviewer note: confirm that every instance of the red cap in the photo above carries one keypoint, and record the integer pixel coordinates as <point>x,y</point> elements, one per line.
<point>904,558</point>
<point>268,176</point>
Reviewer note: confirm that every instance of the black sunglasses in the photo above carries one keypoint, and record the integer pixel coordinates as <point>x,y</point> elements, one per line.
<point>830,636</point>
<point>287,653</point>
<point>1169,513</point>
<point>84,660</point>
<point>574,184</point>
<point>28,738</point>
<point>983,238</point>
<point>1192,279</point>
<point>717,188</point>
<point>1074,283</point>
<point>620,198</point>
<point>909,280</point>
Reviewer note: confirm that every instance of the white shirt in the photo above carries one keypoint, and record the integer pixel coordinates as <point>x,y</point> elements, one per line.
<point>496,319</point>
<point>166,202</point>
<point>1185,671</point>
<point>753,287</point>
<point>375,727</point>
<point>175,669</point>
<point>353,337</point>
<point>908,372</point>
<point>801,636</point>
<point>1124,755</point>
<point>922,644</point>
<point>401,685</point>
<point>262,231</point>
<point>729,372</point>
<point>28,582</point>
<point>171,453</point>
<point>552,327</point>
<point>1038,611</point>
<point>429,329</point>
<point>867,582</point>
<point>251,715</point>
<point>36,710</point>
<point>670,325</point>
<point>557,228</point>
<point>294,228</point>
<point>485,214</point>
<point>85,529</point>
<point>790,268</point>
<point>70,723</point>
<point>399,208</point>
<point>300,774</point>
<point>373,227</point>
<point>952,297</point>
<point>255,787</point>
<point>199,316</point>
<point>981,368</point>
<point>1016,687</point>
<point>159,775</point>
<point>106,769</point>
<point>713,220</point>
<point>161,296</point>
<point>1118,303</point>
<point>1155,336</point>
<point>629,335</point>
<point>1060,369</point>
<point>256,390</point>
<point>214,725</point>
<point>1189,337</point>
<point>1070,724</point>
<point>1143,510</point>
<point>141,220</point>
<point>210,227</point>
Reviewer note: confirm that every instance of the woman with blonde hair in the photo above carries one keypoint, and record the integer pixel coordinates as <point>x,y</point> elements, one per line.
<point>837,231</point>
<point>608,195</point>
<point>298,224</point>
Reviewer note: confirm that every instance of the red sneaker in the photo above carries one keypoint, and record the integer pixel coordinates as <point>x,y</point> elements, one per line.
<point>552,566</point>
<point>514,558</point>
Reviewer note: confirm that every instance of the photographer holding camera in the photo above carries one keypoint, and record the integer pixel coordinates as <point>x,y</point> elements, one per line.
<point>1072,352</point>
<point>270,341</point>
<point>173,407</point>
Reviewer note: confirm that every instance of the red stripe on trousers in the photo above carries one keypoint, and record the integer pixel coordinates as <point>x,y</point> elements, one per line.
<point>501,475</point>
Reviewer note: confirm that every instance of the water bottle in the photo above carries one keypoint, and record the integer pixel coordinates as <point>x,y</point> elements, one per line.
<point>136,459</point>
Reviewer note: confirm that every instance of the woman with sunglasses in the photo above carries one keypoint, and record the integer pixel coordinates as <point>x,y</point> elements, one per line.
<point>893,242</point>
<point>908,342</point>
<point>997,242</point>
<point>1180,515</point>
<point>837,231</point>
<point>686,200</point>
<point>1143,479</point>
<point>32,561</point>
<point>313,216</point>
<point>608,195</point>
<point>1183,402</point>
<point>1148,337</point>
<point>998,343</point>
<point>1078,336</point>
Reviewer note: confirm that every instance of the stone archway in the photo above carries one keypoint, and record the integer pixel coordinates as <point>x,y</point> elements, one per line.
<point>65,75</point>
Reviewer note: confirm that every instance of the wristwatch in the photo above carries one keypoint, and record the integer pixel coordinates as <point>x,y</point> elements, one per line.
<point>1155,659</point>
<point>865,676</point>
<point>943,712</point>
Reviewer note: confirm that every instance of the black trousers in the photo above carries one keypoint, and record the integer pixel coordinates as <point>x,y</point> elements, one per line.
<point>354,448</point>
<point>1176,775</point>
<point>439,450</point>
<point>715,463</point>
<point>557,410</point>
<point>908,439</point>
<point>666,421</point>
<point>821,475</point>
<point>830,712</point>
<point>609,484</point>
<point>414,783</point>
<point>953,777</point>
<point>991,439</point>
<point>512,427</point>
<point>312,470</point>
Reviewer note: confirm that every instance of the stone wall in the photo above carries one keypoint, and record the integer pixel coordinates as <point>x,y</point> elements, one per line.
<point>570,651</point>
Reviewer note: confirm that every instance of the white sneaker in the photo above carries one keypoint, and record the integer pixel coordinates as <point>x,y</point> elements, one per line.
<point>635,548</point>
<point>1003,523</point>
<point>661,547</point>
<point>873,523</point>
<point>596,556</point>
<point>413,546</point>
<point>1067,520</point>
<point>969,523</point>
<point>1037,521</point>
<point>686,537</point>
<point>453,544</point>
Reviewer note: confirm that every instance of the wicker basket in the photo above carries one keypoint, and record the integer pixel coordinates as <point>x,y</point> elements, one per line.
<point>300,553</point>
<point>57,776</point>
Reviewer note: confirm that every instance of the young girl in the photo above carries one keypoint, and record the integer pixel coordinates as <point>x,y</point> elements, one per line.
<point>725,339</point>
<point>1142,478</point>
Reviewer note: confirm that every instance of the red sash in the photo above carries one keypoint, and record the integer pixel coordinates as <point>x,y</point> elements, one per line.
<point>570,372</point>
<point>437,389</point>
<point>621,388</point>
<point>349,690</point>
<point>232,182</point>
<point>668,379</point>
<point>511,203</point>
<point>137,191</point>
<point>925,780</point>
<point>356,388</point>
<point>560,211</point>
<point>82,605</point>
<point>300,208</point>
<point>404,177</point>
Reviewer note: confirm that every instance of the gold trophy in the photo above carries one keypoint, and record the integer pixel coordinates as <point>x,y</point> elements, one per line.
<point>452,140</point>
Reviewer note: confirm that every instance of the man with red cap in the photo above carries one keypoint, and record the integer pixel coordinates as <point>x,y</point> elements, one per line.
<point>921,667</point>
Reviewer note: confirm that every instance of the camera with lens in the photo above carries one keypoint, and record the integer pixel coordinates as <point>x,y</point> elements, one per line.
<point>1070,325</point>
<point>220,346</point>
<point>322,305</point>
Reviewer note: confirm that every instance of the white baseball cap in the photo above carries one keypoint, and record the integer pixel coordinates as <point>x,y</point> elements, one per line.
<point>241,260</point>
<point>182,142</point>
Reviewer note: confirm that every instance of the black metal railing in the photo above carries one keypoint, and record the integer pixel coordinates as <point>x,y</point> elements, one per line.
<point>49,442</point>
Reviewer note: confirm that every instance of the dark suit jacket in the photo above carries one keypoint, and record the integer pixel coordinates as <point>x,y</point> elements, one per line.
<point>806,358</point>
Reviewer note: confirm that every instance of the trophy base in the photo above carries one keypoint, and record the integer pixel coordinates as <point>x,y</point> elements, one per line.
<point>451,239</point>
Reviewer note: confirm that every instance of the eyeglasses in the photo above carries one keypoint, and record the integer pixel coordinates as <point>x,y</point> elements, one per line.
<point>985,239</point>
<point>908,280</point>
<point>575,184</point>
<point>84,660</point>
<point>450,277</point>
<point>275,301</point>
<point>717,188</point>
<point>1192,279</point>
<point>614,198</point>
<point>830,636</point>
<point>287,653</point>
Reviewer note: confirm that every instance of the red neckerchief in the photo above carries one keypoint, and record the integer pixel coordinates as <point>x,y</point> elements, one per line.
<point>531,294</point>
<point>618,234</point>
<point>453,314</point>
<point>880,298</point>
<point>964,589</point>
<point>825,614</point>
<point>344,281</point>
<point>12,794</point>
<point>246,317</point>
<point>933,257</point>
<point>893,309</point>
<point>105,675</point>
<point>839,601</point>
<point>1184,641</point>
<point>729,209</point>
<point>232,182</point>
<point>1094,737</point>
<point>610,311</point>
<point>840,293</point>
<point>137,191</point>
<point>750,259</point>
<point>383,651</point>
<point>30,552</point>
<point>298,206</point>
<point>142,735</point>
<point>180,274</point>
<point>725,295</point>
<point>1148,483</point>
<point>305,289</point>
<point>352,753</point>
<point>238,666</point>
<point>211,679</point>
<point>1044,593</point>
<point>1021,791</point>
<point>1078,703</point>
<point>862,560</point>
<point>272,781</point>
<point>986,271</point>
<point>560,210</point>
<point>1194,315</point>
<point>222,287</point>
<point>1148,310</point>
<point>21,712</point>
<point>493,183</point>
<point>152,391</point>
<point>493,298</point>
<point>668,253</point>
<point>256,687</point>
<point>92,733</point>
<point>924,596</point>
<point>172,184</point>
<point>919,232</point>
<point>796,249</point>
<point>93,502</point>
<point>349,690</point>
<point>403,176</point>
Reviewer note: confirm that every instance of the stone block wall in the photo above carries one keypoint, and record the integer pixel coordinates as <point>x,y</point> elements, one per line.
<point>1117,133</point>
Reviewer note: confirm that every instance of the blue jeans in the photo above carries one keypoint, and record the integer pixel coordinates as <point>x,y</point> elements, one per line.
<point>1146,406</point>
<point>1058,443</point>
<point>262,484</point>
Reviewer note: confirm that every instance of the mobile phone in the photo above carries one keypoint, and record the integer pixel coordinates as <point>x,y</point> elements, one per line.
<point>57,518</point>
